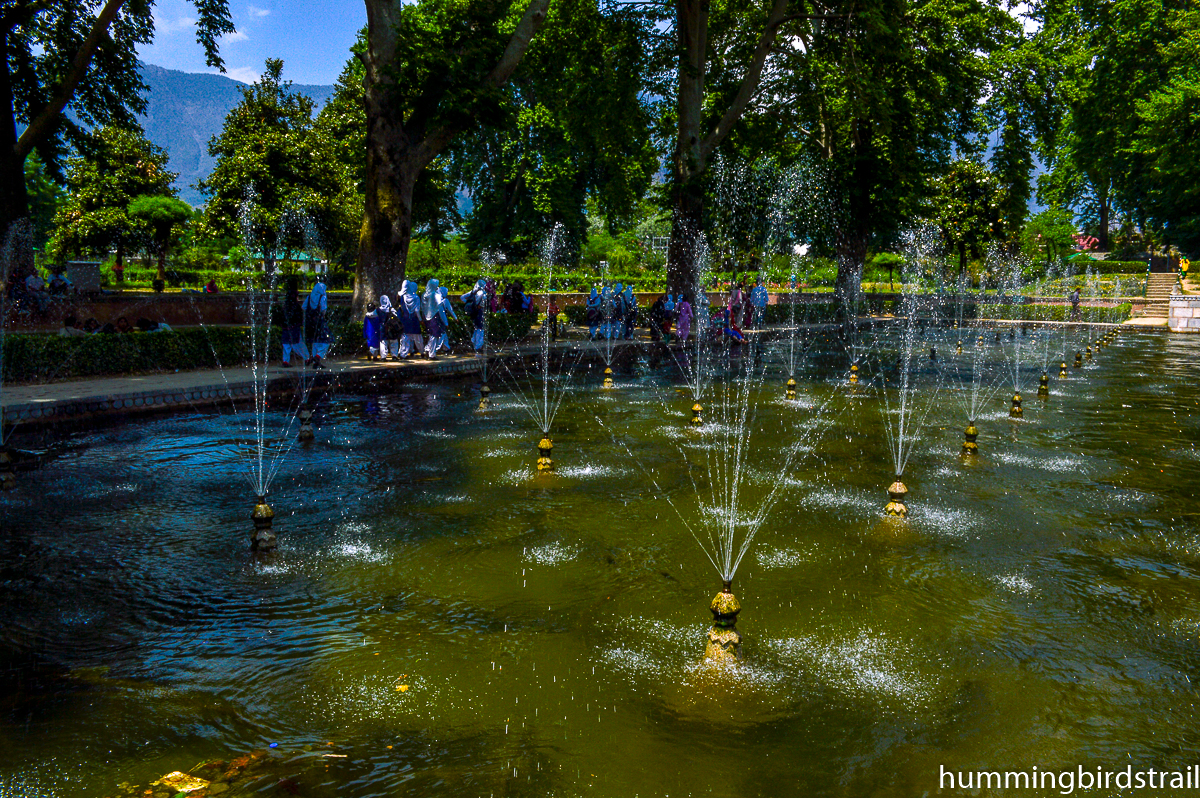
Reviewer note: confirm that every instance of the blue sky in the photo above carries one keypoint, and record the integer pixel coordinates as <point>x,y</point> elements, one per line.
<point>312,37</point>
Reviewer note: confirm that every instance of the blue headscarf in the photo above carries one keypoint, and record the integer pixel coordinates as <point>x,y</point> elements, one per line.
<point>316,299</point>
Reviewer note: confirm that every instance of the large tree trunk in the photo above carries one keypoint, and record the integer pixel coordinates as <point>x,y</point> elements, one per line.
<point>688,163</point>
<point>14,201</point>
<point>1105,215</point>
<point>386,233</point>
<point>851,253</point>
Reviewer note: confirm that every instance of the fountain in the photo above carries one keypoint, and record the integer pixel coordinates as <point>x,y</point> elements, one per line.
<point>543,401</point>
<point>902,415</point>
<point>263,537</point>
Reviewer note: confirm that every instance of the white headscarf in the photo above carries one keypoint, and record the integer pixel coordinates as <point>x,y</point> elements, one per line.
<point>431,301</point>
<point>409,298</point>
<point>385,305</point>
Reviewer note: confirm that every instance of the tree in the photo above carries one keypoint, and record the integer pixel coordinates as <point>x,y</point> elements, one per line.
<point>968,204</point>
<point>164,220</point>
<point>45,197</point>
<point>721,51</point>
<point>115,166</point>
<point>433,69</point>
<point>1168,138</point>
<point>1050,233</point>
<point>79,55</point>
<point>574,127</point>
<point>276,182</point>
<point>882,98</point>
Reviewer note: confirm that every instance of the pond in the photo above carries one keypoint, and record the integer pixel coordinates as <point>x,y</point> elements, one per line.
<point>455,624</point>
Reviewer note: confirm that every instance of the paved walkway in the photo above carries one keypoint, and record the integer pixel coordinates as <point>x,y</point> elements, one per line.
<point>76,400</point>
<point>79,400</point>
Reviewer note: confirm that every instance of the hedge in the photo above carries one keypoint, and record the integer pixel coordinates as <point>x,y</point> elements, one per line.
<point>1115,314</point>
<point>42,357</point>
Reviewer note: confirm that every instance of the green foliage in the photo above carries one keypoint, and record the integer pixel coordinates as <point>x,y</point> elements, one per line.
<point>1050,234</point>
<point>115,166</point>
<point>967,206</point>
<point>881,100</point>
<point>276,183</point>
<point>42,40</point>
<point>1168,139</point>
<point>45,197</point>
<point>163,219</point>
<point>572,127</point>
<point>30,357</point>
<point>1111,315</point>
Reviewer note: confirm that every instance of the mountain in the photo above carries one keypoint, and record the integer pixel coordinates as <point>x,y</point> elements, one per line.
<point>186,109</point>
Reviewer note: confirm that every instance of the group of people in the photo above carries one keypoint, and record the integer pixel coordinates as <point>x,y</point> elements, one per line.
<point>34,293</point>
<point>611,312</point>
<point>420,323</point>
<point>668,310</point>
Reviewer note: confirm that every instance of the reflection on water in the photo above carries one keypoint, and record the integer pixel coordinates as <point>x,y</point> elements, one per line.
<point>1039,608</point>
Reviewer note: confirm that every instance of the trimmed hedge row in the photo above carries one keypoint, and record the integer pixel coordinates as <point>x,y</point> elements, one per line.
<point>1115,314</point>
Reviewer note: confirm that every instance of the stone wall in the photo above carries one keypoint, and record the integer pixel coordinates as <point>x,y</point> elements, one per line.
<point>1185,314</point>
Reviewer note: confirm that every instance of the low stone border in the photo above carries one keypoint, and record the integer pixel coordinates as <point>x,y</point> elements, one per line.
<point>1184,314</point>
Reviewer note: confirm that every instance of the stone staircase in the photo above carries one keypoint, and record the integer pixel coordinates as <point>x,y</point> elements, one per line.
<point>1159,288</point>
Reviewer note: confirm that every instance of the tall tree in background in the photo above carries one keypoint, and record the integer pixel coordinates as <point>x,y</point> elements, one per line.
<point>1168,140</point>
<point>575,128</point>
<point>882,98</point>
<point>164,222</point>
<point>433,69</point>
<point>76,55</point>
<point>721,52</point>
<point>968,206</point>
<point>276,181</point>
<point>115,165</point>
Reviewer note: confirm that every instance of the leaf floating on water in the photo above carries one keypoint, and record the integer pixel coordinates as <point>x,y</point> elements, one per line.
<point>402,688</point>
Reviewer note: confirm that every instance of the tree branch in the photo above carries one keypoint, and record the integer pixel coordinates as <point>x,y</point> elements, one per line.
<point>749,84</point>
<point>535,15</point>
<point>41,125</point>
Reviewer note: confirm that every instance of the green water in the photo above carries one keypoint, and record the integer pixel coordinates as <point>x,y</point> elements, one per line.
<point>1040,607</point>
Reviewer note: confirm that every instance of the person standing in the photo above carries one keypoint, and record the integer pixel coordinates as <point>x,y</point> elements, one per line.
<point>447,307</point>
<point>1075,305</point>
<point>435,318</point>
<point>759,299</point>
<point>389,342</point>
<point>373,330</point>
<point>316,325</point>
<point>475,303</point>
<point>683,326</point>
<point>292,337</point>
<point>410,319</point>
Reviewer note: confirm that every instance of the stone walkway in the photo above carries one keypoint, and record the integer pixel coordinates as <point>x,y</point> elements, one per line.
<point>74,401</point>
<point>77,400</point>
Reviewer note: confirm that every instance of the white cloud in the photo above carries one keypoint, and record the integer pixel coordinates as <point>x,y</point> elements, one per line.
<point>243,74</point>
<point>173,25</point>
<point>255,11</point>
<point>238,35</point>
